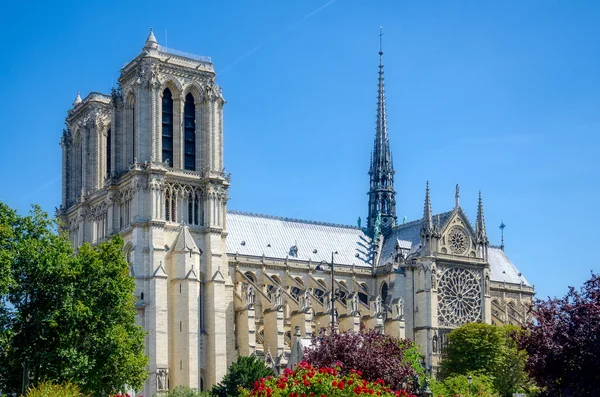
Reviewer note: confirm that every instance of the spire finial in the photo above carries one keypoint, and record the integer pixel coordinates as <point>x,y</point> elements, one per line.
<point>502,226</point>
<point>380,42</point>
<point>457,196</point>
<point>427,227</point>
<point>480,223</point>
<point>77,100</point>
<point>151,41</point>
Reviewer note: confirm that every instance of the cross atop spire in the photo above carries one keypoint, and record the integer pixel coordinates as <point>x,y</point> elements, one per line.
<point>380,45</point>
<point>382,196</point>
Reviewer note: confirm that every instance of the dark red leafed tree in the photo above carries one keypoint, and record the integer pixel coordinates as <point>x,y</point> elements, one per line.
<point>564,342</point>
<point>376,356</point>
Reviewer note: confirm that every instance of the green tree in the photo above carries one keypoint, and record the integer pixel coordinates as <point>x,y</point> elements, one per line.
<point>458,385</point>
<point>485,349</point>
<point>71,316</point>
<point>241,374</point>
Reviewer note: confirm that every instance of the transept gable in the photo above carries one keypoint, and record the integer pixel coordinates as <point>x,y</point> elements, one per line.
<point>458,236</point>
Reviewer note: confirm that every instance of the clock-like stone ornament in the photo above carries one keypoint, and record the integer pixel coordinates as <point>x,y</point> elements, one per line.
<point>458,240</point>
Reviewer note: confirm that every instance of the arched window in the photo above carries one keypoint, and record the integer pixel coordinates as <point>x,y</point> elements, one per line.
<point>167,127</point>
<point>363,295</point>
<point>108,152</point>
<point>251,276</point>
<point>129,131</point>
<point>189,144</point>
<point>384,291</point>
<point>170,207</point>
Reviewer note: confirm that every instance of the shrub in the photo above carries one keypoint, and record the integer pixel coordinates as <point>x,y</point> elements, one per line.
<point>458,386</point>
<point>48,389</point>
<point>308,381</point>
<point>377,356</point>
<point>242,373</point>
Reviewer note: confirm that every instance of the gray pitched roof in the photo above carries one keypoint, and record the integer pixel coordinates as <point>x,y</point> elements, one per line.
<point>276,237</point>
<point>502,269</point>
<point>407,236</point>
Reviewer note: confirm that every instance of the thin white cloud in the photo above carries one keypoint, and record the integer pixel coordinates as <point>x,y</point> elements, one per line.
<point>276,35</point>
<point>39,189</point>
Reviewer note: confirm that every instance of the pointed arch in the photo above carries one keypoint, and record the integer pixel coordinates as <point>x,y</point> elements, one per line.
<point>195,90</point>
<point>167,127</point>
<point>129,146</point>
<point>189,133</point>
<point>108,152</point>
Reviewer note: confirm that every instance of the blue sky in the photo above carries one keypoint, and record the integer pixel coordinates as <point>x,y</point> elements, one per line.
<point>502,97</point>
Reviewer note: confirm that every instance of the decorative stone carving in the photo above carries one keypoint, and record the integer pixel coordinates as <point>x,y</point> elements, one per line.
<point>162,379</point>
<point>354,305</point>
<point>459,297</point>
<point>458,240</point>
<point>277,299</point>
<point>250,296</point>
<point>306,301</point>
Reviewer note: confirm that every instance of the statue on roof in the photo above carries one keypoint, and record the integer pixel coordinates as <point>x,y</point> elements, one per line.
<point>377,227</point>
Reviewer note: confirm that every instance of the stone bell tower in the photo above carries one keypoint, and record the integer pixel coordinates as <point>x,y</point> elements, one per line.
<point>147,162</point>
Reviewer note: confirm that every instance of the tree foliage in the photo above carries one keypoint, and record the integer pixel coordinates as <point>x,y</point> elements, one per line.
<point>489,350</point>
<point>241,374</point>
<point>306,380</point>
<point>458,385</point>
<point>68,316</point>
<point>564,342</point>
<point>377,356</point>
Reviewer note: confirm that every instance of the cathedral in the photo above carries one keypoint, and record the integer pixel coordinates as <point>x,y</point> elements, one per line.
<point>146,161</point>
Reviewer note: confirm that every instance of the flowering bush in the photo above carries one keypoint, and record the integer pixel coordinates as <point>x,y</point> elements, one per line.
<point>378,356</point>
<point>308,381</point>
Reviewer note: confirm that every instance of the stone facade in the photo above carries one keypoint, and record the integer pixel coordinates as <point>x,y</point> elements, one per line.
<point>147,162</point>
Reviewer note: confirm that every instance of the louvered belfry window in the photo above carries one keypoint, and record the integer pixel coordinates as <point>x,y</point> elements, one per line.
<point>167,127</point>
<point>189,147</point>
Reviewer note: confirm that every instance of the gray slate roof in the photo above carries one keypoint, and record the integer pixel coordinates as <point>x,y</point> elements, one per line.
<point>275,237</point>
<point>502,269</point>
<point>408,237</point>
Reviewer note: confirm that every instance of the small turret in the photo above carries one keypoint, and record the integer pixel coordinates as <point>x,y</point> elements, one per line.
<point>151,42</point>
<point>77,100</point>
<point>429,232</point>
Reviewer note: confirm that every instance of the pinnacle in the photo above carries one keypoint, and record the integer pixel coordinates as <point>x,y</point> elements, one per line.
<point>77,100</point>
<point>151,40</point>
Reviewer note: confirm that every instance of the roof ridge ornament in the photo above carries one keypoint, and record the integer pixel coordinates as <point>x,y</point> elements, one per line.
<point>457,196</point>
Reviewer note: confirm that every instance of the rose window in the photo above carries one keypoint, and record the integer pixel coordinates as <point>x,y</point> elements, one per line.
<point>459,297</point>
<point>458,240</point>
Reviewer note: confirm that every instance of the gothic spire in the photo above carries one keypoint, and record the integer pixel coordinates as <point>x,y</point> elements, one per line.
<point>480,223</point>
<point>427,226</point>
<point>382,196</point>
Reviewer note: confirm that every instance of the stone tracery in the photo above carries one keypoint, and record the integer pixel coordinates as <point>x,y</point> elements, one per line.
<point>459,297</point>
